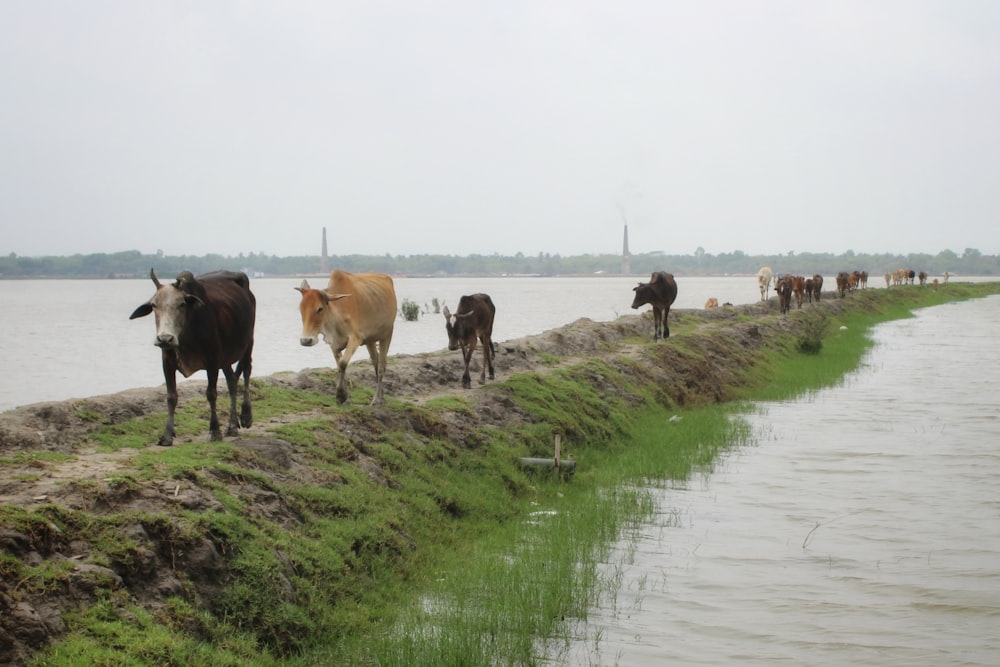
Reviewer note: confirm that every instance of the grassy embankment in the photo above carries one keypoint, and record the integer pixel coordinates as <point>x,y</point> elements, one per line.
<point>451,553</point>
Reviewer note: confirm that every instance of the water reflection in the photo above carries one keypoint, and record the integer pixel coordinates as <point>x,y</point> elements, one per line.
<point>863,527</point>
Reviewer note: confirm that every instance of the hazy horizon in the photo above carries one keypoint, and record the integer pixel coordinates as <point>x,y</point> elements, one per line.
<point>454,128</point>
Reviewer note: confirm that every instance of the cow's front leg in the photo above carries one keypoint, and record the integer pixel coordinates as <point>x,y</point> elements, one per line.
<point>211,393</point>
<point>378,361</point>
<point>170,376</point>
<point>167,437</point>
<point>343,359</point>
<point>467,358</point>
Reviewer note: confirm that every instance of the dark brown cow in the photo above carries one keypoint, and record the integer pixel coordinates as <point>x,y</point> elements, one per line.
<point>783,288</point>
<point>843,283</point>
<point>922,277</point>
<point>660,292</point>
<point>473,320</point>
<point>355,309</point>
<point>799,290</point>
<point>205,323</point>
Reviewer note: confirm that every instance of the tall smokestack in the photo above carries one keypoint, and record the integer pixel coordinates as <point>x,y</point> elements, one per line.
<point>626,257</point>
<point>325,262</point>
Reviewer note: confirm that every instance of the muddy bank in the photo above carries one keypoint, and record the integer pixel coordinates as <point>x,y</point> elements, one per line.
<point>84,524</point>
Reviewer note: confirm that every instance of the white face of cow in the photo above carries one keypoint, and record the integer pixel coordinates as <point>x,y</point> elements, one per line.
<point>171,307</point>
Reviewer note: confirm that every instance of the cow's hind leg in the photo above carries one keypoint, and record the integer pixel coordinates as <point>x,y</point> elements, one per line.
<point>488,354</point>
<point>211,393</point>
<point>246,412</point>
<point>232,383</point>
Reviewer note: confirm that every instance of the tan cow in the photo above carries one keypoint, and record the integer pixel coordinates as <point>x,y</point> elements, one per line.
<point>799,290</point>
<point>711,302</point>
<point>353,310</point>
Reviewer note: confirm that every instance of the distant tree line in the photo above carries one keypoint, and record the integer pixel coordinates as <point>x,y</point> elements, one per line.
<point>133,264</point>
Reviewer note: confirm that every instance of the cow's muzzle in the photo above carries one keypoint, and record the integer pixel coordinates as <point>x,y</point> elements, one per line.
<point>165,341</point>
<point>308,342</point>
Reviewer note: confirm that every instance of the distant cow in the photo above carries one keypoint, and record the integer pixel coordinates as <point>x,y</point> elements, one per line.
<point>922,277</point>
<point>660,292</point>
<point>472,320</point>
<point>355,309</point>
<point>799,290</point>
<point>764,277</point>
<point>783,288</point>
<point>817,287</point>
<point>711,302</point>
<point>843,283</point>
<point>205,323</point>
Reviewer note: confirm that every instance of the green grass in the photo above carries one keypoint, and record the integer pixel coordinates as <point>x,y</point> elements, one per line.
<point>412,546</point>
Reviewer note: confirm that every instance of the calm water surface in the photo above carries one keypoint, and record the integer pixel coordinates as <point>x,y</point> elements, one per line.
<point>62,339</point>
<point>862,526</point>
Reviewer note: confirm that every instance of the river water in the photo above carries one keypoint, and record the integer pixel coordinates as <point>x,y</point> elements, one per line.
<point>860,527</point>
<point>62,339</point>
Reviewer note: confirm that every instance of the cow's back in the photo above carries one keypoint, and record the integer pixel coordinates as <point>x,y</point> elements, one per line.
<point>664,288</point>
<point>482,305</point>
<point>371,308</point>
<point>235,311</point>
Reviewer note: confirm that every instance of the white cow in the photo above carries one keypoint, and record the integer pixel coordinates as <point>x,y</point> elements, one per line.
<point>764,277</point>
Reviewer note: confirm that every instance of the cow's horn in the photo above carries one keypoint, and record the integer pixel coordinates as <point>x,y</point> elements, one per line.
<point>447,313</point>
<point>152,275</point>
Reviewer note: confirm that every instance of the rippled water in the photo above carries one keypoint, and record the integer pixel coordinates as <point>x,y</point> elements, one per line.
<point>862,527</point>
<point>62,339</point>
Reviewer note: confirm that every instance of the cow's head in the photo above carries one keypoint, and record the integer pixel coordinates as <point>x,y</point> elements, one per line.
<point>643,294</point>
<point>314,307</point>
<point>173,306</point>
<point>453,324</point>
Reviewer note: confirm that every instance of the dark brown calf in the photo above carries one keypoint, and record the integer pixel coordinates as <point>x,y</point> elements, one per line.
<point>472,320</point>
<point>660,292</point>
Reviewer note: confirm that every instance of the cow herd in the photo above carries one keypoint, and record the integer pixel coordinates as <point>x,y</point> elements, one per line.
<point>207,323</point>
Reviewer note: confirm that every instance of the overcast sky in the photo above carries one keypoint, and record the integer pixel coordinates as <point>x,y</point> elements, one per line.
<point>477,127</point>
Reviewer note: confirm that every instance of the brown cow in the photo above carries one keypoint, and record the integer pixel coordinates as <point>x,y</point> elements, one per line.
<point>473,320</point>
<point>660,291</point>
<point>711,302</point>
<point>799,290</point>
<point>817,289</point>
<point>843,283</point>
<point>355,309</point>
<point>205,323</point>
<point>783,288</point>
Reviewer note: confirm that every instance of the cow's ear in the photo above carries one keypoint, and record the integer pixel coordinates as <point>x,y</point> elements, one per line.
<point>141,311</point>
<point>304,286</point>
<point>193,300</point>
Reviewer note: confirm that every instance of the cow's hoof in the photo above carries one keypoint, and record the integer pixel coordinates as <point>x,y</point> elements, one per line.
<point>215,436</point>
<point>165,441</point>
<point>232,431</point>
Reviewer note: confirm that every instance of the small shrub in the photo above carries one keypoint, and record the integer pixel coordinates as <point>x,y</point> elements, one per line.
<point>811,340</point>
<point>410,310</point>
